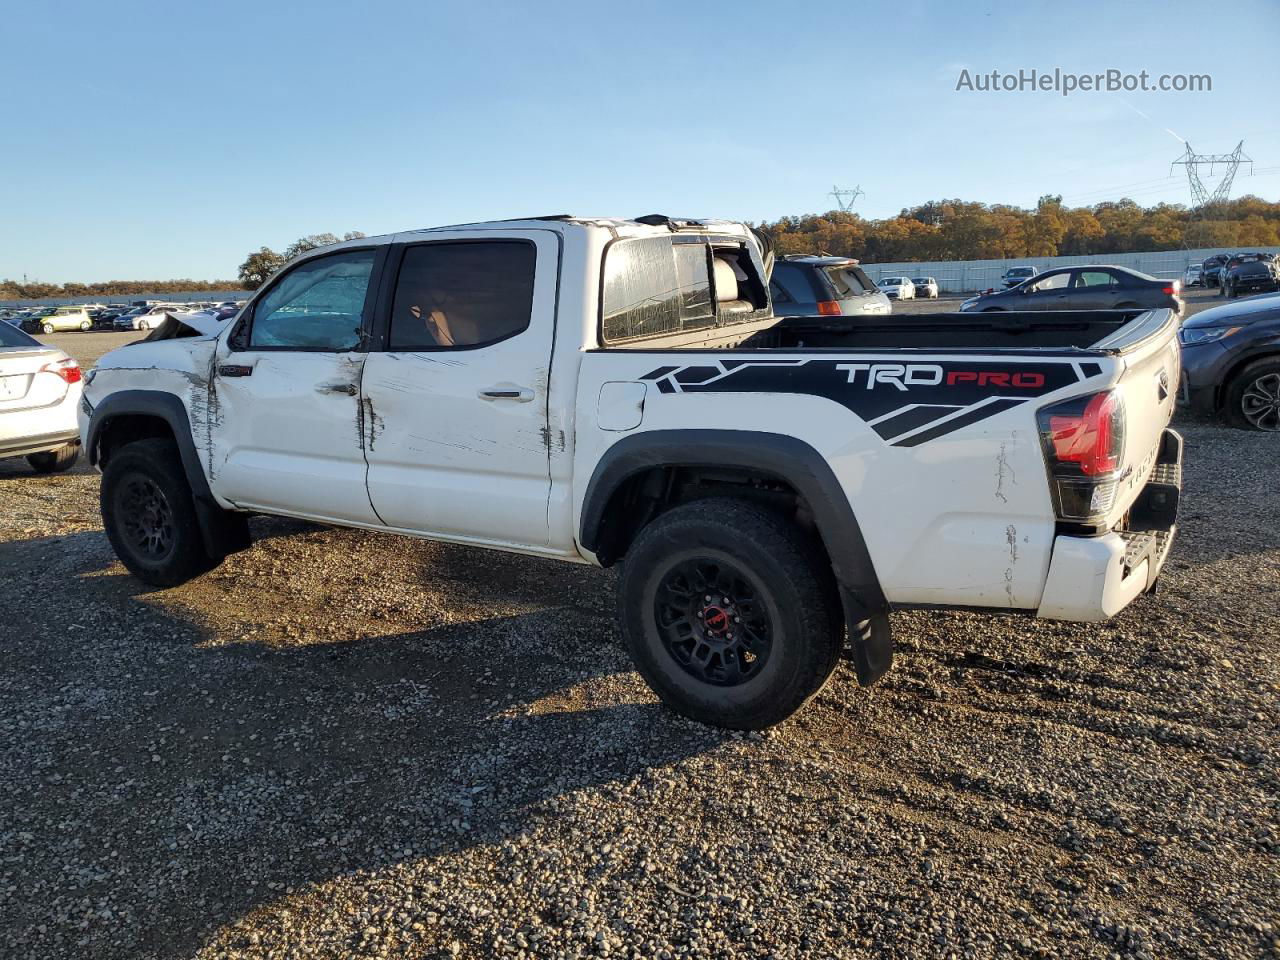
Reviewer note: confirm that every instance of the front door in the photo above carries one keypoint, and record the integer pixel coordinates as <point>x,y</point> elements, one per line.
<point>285,413</point>
<point>1048,292</point>
<point>456,389</point>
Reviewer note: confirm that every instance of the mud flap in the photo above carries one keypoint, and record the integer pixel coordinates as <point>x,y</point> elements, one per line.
<point>870,640</point>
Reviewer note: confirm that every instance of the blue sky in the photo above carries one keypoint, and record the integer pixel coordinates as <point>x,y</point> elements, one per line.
<point>157,140</point>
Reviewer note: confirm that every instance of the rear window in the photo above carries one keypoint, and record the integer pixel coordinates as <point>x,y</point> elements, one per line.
<point>794,282</point>
<point>655,286</point>
<point>11,336</point>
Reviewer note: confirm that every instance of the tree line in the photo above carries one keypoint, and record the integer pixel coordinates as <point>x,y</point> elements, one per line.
<point>937,230</point>
<point>960,230</point>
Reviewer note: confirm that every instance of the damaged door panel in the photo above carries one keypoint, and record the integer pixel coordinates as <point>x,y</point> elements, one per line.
<point>456,402</point>
<point>290,432</point>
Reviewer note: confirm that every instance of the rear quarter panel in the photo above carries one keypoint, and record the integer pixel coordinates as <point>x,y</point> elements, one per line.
<point>947,479</point>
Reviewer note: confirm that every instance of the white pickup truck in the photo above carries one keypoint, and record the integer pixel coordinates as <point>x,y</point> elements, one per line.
<point>605,391</point>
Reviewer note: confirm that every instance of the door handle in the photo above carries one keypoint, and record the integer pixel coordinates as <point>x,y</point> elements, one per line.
<point>506,391</point>
<point>235,370</point>
<point>350,389</point>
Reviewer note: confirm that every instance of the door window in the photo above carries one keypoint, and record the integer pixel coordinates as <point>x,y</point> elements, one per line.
<point>1096,279</point>
<point>451,296</point>
<point>1054,281</point>
<point>318,305</point>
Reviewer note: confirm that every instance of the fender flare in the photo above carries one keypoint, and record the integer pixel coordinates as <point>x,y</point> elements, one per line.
<point>788,458</point>
<point>220,536</point>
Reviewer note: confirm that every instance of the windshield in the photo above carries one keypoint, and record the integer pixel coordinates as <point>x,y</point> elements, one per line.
<point>890,282</point>
<point>920,280</point>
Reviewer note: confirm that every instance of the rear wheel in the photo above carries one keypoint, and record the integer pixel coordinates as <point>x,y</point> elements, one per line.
<point>1253,397</point>
<point>46,328</point>
<point>55,461</point>
<point>730,613</point>
<point>85,325</point>
<point>149,514</point>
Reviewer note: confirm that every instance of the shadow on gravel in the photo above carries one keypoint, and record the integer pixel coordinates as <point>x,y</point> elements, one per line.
<point>213,779</point>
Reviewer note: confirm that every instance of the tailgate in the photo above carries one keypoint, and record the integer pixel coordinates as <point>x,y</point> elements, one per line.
<point>1150,371</point>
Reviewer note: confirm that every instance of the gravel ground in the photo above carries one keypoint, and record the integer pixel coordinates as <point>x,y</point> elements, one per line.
<point>348,744</point>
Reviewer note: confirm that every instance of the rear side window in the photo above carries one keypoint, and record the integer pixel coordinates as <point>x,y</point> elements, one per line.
<point>654,286</point>
<point>456,295</point>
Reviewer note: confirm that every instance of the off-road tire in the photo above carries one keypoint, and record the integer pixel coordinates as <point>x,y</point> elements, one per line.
<point>789,578</point>
<point>153,467</point>
<point>55,461</point>
<point>1233,396</point>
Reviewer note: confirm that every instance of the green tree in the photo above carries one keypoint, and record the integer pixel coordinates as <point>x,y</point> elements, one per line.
<point>259,266</point>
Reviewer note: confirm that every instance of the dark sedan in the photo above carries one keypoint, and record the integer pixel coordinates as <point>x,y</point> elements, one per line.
<point>1083,288</point>
<point>1231,362</point>
<point>1211,268</point>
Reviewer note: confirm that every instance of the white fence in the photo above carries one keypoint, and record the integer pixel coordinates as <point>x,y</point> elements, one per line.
<point>963,276</point>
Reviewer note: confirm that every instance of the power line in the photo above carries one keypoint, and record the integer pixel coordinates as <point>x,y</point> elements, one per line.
<point>1191,161</point>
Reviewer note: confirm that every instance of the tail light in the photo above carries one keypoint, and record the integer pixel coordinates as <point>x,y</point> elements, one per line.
<point>828,308</point>
<point>67,369</point>
<point>1172,289</point>
<point>1083,441</point>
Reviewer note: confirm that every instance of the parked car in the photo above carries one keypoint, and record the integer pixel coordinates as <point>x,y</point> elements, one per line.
<point>1211,268</point>
<point>146,318</point>
<point>40,390</point>
<point>768,480</point>
<point>1016,275</point>
<point>107,318</point>
<point>1193,276</point>
<point>1231,362</point>
<point>53,319</point>
<point>926,287</point>
<point>1249,273</point>
<point>1084,288</point>
<point>802,286</point>
<point>898,288</point>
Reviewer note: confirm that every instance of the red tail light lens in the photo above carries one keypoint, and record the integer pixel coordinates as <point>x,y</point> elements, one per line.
<point>1083,441</point>
<point>828,308</point>
<point>67,369</point>
<point>1092,438</point>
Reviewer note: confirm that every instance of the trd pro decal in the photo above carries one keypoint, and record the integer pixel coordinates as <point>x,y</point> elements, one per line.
<point>906,403</point>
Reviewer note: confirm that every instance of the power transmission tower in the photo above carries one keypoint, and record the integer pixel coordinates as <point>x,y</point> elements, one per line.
<point>845,198</point>
<point>1192,161</point>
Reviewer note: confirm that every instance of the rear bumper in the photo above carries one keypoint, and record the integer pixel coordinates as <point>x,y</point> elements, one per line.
<point>21,446</point>
<point>1094,578</point>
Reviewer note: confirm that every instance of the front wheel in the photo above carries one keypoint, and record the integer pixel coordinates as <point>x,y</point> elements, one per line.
<point>1253,397</point>
<point>46,328</point>
<point>730,613</point>
<point>150,516</point>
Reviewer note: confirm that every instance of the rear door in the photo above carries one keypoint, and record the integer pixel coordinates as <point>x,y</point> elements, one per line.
<point>1095,289</point>
<point>456,388</point>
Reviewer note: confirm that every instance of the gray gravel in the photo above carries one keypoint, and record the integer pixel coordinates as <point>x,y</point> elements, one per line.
<point>346,744</point>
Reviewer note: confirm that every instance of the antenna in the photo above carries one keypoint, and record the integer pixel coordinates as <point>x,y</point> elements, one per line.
<point>846,198</point>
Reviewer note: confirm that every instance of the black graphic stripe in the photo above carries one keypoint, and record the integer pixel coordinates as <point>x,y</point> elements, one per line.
<point>977,414</point>
<point>910,419</point>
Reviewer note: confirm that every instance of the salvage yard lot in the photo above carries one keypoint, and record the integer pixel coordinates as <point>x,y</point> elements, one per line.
<point>342,743</point>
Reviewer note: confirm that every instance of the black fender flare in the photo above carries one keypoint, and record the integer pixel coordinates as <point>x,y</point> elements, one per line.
<point>220,536</point>
<point>790,460</point>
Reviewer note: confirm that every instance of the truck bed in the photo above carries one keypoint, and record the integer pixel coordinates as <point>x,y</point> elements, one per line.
<point>1108,331</point>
